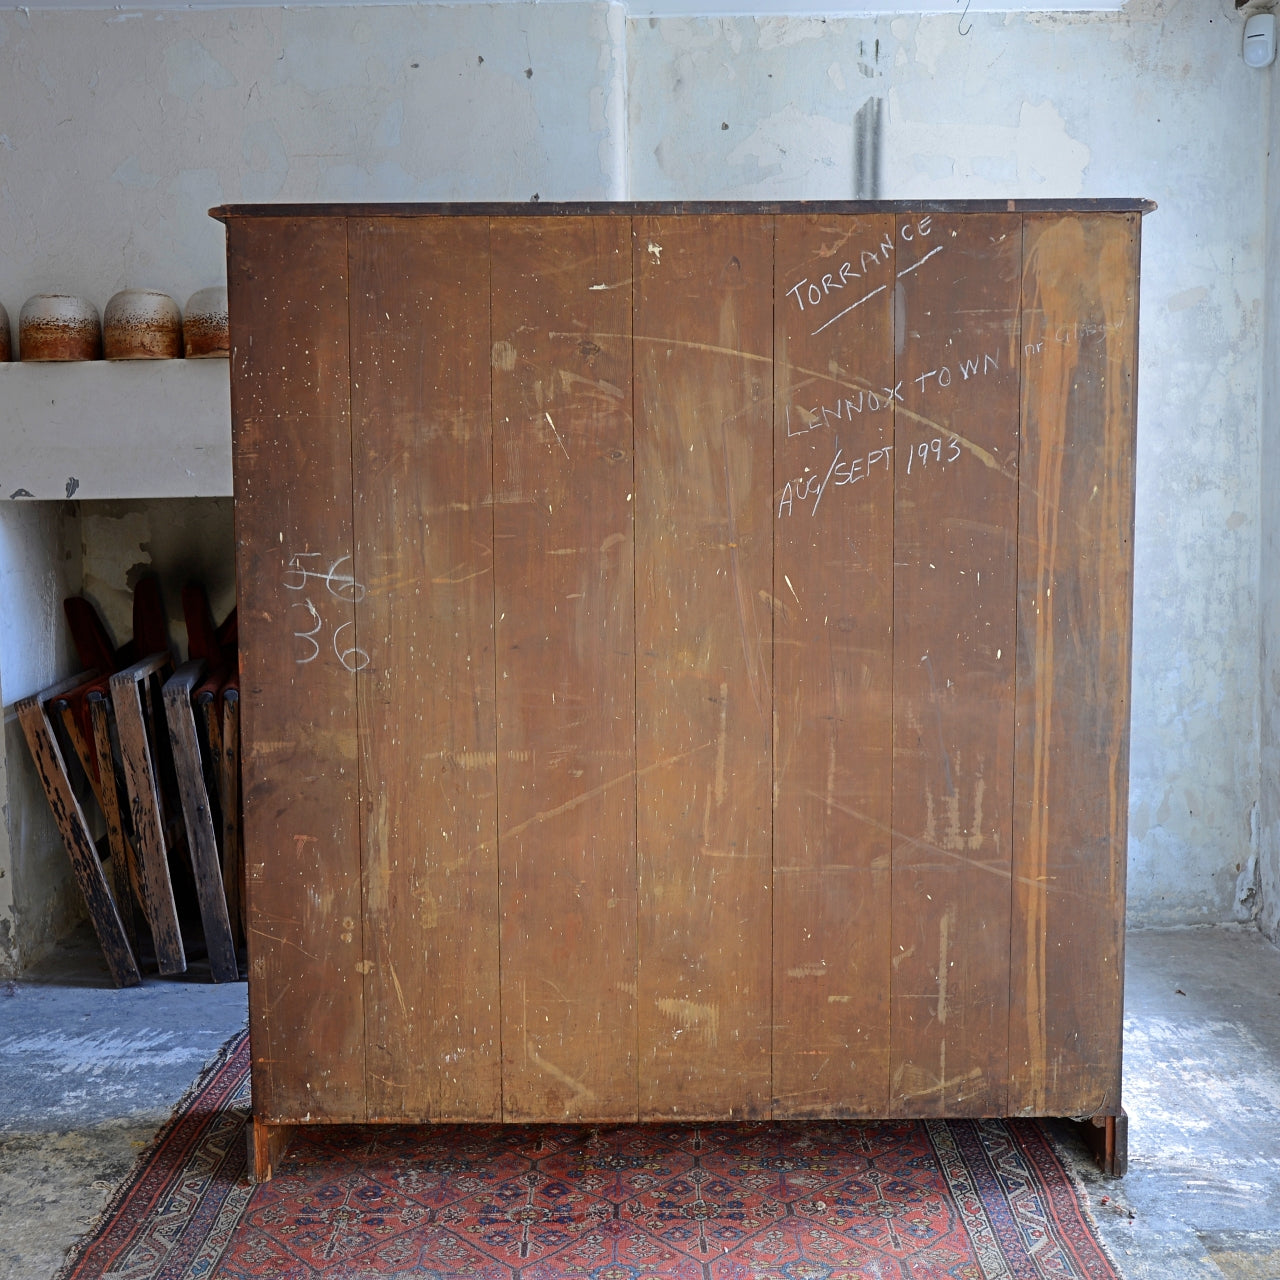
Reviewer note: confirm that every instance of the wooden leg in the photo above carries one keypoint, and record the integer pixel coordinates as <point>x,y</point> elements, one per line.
<point>221,758</point>
<point>112,787</point>
<point>1107,1137</point>
<point>146,813</point>
<point>128,882</point>
<point>267,1146</point>
<point>80,846</point>
<point>99,770</point>
<point>201,841</point>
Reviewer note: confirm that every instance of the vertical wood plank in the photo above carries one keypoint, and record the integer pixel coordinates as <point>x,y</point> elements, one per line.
<point>832,663</point>
<point>704,576</point>
<point>136,726</point>
<point>563,542</point>
<point>955,595</point>
<point>228,734</point>
<point>126,879</point>
<point>197,817</point>
<point>69,818</point>
<point>291,449</point>
<point>423,532</point>
<point>1074,608</point>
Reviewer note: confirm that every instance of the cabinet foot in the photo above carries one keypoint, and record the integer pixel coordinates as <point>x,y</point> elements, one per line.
<point>267,1146</point>
<point>1107,1137</point>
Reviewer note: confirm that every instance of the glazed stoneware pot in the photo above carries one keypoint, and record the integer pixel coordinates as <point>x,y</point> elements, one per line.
<point>204,325</point>
<point>56,326</point>
<point>141,324</point>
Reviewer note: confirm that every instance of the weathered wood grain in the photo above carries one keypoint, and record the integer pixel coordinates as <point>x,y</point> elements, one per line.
<point>564,588</point>
<point>197,816</point>
<point>1075,532</point>
<point>229,800</point>
<point>631,712</point>
<point>704,702</point>
<point>136,728</point>
<point>832,663</point>
<point>126,877</point>
<point>424,538</point>
<point>955,595</point>
<point>291,457</point>
<point>72,827</point>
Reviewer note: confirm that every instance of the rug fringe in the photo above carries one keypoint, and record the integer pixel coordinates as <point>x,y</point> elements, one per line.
<point>1068,1161</point>
<point>117,1198</point>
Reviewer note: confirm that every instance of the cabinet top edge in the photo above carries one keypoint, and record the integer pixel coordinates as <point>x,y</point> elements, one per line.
<point>669,208</point>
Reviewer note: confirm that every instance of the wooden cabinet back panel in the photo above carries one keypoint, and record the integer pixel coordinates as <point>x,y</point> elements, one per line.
<point>686,661</point>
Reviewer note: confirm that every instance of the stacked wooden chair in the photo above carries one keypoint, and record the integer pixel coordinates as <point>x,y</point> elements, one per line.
<point>159,753</point>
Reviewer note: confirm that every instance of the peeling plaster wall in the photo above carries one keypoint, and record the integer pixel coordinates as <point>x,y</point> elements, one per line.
<point>39,566</point>
<point>98,549</point>
<point>1266,880</point>
<point>119,129</point>
<point>175,540</point>
<point>1154,102</point>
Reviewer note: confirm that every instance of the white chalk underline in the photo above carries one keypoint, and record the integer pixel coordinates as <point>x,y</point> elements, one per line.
<point>906,271</point>
<point>853,306</point>
<point>846,311</point>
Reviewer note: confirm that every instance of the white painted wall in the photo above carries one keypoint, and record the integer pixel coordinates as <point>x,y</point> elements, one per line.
<point>1154,102</point>
<point>119,129</point>
<point>39,566</point>
<point>1266,880</point>
<point>48,551</point>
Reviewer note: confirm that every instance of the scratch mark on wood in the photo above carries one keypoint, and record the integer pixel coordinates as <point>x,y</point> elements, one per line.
<point>285,942</point>
<point>701,1019</point>
<point>582,799</point>
<point>937,711</point>
<point>555,433</point>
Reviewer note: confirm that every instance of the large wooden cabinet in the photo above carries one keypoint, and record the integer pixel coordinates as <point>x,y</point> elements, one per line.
<point>685,657</point>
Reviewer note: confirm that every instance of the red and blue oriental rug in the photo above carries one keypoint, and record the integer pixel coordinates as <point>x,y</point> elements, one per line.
<point>906,1200</point>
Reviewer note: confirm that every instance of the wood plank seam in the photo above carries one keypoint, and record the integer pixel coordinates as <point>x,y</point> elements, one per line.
<point>1017,578</point>
<point>359,942</point>
<point>897,315</point>
<point>497,659</point>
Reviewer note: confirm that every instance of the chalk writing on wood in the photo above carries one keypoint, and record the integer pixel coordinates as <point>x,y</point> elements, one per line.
<point>803,419</point>
<point>849,468</point>
<point>1082,333</point>
<point>975,367</point>
<point>854,273</point>
<point>303,567</point>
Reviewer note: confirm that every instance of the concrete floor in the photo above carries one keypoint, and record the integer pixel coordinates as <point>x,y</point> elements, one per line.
<point>88,1073</point>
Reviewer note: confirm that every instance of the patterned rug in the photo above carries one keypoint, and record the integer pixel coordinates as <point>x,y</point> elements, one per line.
<point>973,1200</point>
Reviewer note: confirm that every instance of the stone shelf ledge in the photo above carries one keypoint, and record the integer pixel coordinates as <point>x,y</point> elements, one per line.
<point>106,429</point>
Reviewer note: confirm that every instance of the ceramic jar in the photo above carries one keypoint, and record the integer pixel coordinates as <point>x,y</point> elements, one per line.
<point>141,324</point>
<point>56,326</point>
<point>6,340</point>
<point>204,325</point>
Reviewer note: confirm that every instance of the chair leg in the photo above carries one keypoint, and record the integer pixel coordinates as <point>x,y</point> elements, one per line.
<point>128,878</point>
<point>127,698</point>
<point>201,841</point>
<point>81,849</point>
